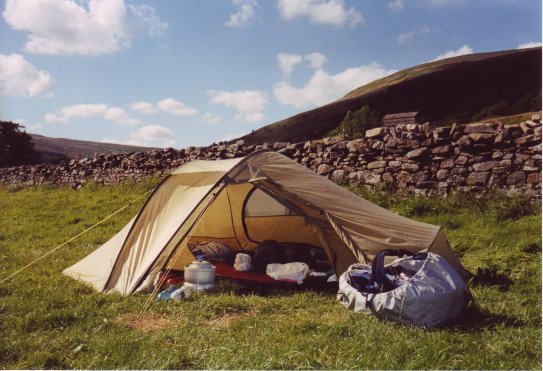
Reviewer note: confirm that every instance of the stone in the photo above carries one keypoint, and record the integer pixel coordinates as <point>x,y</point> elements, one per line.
<point>440,133</point>
<point>338,176</point>
<point>442,174</point>
<point>376,165</point>
<point>464,141</point>
<point>324,169</point>
<point>355,145</point>
<point>478,179</point>
<point>442,151</point>
<point>410,167</point>
<point>480,128</point>
<point>422,176</point>
<point>447,164</point>
<point>536,118</point>
<point>484,166</point>
<point>481,138</point>
<point>394,164</point>
<point>528,140</point>
<point>375,133</point>
<point>417,153</point>
<point>516,178</point>
<point>534,178</point>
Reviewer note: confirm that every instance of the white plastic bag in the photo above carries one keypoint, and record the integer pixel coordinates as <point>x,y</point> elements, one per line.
<point>290,271</point>
<point>243,262</point>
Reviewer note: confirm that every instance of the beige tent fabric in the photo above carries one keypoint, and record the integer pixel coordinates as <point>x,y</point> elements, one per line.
<point>204,200</point>
<point>96,267</point>
<point>159,220</point>
<point>371,227</point>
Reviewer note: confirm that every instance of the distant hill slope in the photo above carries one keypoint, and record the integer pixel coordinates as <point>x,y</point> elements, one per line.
<point>461,89</point>
<point>54,149</point>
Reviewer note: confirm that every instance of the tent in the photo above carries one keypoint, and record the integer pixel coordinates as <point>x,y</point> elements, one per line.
<point>242,202</point>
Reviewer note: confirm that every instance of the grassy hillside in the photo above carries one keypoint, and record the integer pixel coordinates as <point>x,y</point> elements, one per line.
<point>54,149</point>
<point>458,89</point>
<point>51,321</point>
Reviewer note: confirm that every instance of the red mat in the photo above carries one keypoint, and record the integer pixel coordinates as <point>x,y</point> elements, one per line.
<point>228,271</point>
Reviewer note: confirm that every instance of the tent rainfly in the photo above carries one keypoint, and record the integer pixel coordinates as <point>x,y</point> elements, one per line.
<point>241,202</point>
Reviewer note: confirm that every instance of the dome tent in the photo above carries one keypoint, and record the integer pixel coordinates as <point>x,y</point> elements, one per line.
<point>241,202</point>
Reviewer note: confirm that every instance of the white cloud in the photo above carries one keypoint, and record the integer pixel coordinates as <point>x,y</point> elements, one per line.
<point>287,62</point>
<point>153,135</point>
<point>329,12</point>
<point>168,105</point>
<point>210,118</point>
<point>323,88</point>
<point>114,114</point>
<point>396,5</point>
<point>246,14</point>
<point>148,15</point>
<point>67,27</point>
<point>529,45</point>
<point>176,108</point>
<point>409,36</point>
<point>316,60</point>
<point>247,103</point>
<point>464,50</point>
<point>143,107</point>
<point>20,78</point>
<point>406,37</point>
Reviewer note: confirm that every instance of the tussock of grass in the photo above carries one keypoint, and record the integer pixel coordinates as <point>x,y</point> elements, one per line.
<point>51,321</point>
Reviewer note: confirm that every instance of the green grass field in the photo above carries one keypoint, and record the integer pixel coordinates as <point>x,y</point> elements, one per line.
<point>50,321</point>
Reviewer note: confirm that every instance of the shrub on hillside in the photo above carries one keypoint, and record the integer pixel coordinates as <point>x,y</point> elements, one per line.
<point>355,124</point>
<point>16,147</point>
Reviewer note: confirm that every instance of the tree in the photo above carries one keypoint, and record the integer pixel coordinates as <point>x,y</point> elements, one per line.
<point>16,147</point>
<point>354,125</point>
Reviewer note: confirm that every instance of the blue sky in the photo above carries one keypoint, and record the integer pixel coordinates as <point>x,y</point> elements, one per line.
<point>181,73</point>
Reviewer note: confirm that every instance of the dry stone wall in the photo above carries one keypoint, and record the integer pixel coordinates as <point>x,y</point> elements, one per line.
<point>482,158</point>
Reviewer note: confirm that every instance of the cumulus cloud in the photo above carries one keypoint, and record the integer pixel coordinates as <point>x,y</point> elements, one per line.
<point>176,108</point>
<point>153,135</point>
<point>18,77</point>
<point>148,15</point>
<point>68,27</point>
<point>143,107</point>
<point>328,12</point>
<point>409,36</point>
<point>247,103</point>
<point>168,105</point>
<point>246,14</point>
<point>464,50</point>
<point>287,62</point>
<point>323,88</point>
<point>114,114</point>
<point>406,37</point>
<point>210,118</point>
<point>396,5</point>
<point>529,45</point>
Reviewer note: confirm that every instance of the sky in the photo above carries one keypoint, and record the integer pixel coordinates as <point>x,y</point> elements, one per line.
<point>179,73</point>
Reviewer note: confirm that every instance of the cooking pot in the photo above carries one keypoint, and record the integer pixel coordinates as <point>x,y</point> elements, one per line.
<point>200,275</point>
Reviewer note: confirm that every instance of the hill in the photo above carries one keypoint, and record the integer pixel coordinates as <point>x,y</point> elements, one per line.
<point>461,89</point>
<point>55,149</point>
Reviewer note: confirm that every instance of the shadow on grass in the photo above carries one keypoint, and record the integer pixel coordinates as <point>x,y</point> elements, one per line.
<point>475,319</point>
<point>491,277</point>
<point>283,288</point>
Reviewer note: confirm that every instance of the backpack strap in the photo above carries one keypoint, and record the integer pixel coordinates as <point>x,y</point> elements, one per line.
<point>378,274</point>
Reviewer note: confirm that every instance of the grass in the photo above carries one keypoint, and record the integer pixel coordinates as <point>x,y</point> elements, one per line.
<point>49,321</point>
